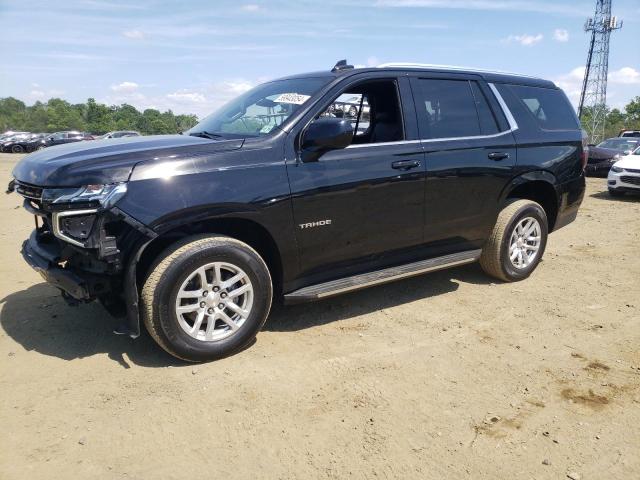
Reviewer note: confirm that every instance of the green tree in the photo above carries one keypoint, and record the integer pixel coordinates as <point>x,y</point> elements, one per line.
<point>12,113</point>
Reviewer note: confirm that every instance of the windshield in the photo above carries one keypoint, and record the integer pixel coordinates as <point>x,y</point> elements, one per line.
<point>260,110</point>
<point>621,144</point>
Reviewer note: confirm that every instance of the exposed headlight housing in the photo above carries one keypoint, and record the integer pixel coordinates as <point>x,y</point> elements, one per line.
<point>89,196</point>
<point>75,209</point>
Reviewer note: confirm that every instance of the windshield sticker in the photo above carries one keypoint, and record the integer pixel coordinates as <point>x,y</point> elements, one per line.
<point>267,128</point>
<point>295,98</point>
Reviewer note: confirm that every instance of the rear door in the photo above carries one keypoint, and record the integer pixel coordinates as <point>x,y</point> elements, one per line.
<point>470,154</point>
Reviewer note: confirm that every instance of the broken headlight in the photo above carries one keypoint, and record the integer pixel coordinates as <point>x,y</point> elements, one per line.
<point>89,196</point>
<point>74,210</point>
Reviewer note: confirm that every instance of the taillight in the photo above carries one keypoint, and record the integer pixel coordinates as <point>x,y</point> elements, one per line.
<point>585,150</point>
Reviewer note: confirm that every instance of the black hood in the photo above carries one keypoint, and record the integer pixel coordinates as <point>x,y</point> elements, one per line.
<point>110,161</point>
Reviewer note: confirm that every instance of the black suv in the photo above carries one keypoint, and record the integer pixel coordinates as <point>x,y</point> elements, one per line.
<point>274,196</point>
<point>60,138</point>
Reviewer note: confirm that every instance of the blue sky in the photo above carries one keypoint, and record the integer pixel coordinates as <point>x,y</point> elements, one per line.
<point>191,56</point>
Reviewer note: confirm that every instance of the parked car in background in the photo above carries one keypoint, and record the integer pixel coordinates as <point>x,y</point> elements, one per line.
<point>629,133</point>
<point>9,134</point>
<point>8,143</point>
<point>24,143</point>
<point>623,145</point>
<point>119,134</point>
<point>60,138</point>
<point>600,160</point>
<point>624,176</point>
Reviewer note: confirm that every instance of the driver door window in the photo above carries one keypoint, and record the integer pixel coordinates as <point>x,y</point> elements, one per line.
<point>373,109</point>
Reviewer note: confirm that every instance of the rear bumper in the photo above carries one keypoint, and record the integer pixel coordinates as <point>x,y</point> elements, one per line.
<point>599,169</point>
<point>44,258</point>
<point>571,194</point>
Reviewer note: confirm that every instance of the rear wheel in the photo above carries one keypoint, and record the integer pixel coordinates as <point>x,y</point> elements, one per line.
<point>17,149</point>
<point>517,242</point>
<point>206,298</point>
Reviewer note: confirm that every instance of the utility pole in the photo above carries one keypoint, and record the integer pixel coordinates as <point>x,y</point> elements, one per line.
<point>594,87</point>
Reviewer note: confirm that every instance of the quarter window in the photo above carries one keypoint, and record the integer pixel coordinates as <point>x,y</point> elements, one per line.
<point>549,107</point>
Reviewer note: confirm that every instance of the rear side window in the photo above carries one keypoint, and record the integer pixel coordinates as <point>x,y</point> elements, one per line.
<point>448,108</point>
<point>549,107</point>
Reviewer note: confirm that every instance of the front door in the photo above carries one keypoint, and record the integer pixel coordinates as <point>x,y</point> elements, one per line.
<point>354,208</point>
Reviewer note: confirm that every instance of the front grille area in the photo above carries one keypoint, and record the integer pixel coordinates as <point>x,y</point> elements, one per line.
<point>29,191</point>
<point>631,180</point>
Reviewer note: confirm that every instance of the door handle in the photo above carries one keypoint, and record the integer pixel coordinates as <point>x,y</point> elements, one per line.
<point>497,156</point>
<point>405,164</point>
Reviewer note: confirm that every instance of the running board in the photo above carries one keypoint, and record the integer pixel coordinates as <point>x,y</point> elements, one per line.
<point>342,285</point>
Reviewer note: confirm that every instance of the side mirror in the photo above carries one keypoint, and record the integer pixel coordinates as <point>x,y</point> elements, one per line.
<point>627,152</point>
<point>325,134</point>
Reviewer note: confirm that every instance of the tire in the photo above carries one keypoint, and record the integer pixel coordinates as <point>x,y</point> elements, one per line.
<point>17,149</point>
<point>495,259</point>
<point>615,193</point>
<point>166,282</point>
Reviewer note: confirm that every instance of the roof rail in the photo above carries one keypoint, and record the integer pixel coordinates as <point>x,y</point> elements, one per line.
<point>447,67</point>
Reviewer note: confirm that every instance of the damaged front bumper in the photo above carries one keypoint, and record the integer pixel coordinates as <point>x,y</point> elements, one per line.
<point>45,260</point>
<point>87,253</point>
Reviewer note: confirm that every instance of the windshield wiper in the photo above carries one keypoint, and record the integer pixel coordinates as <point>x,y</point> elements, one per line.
<point>204,134</point>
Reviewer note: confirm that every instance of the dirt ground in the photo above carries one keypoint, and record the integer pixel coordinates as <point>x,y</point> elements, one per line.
<point>447,375</point>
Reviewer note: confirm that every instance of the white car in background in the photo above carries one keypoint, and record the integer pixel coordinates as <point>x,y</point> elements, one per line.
<point>624,175</point>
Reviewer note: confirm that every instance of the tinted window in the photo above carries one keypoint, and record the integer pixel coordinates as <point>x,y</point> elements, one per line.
<point>549,107</point>
<point>488,124</point>
<point>447,109</point>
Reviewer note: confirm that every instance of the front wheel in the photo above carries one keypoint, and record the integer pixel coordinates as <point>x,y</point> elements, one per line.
<point>206,297</point>
<point>517,241</point>
<point>616,193</point>
<point>17,149</point>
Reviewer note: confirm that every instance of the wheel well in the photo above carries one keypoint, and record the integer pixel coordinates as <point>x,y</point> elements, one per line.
<point>542,193</point>
<point>247,231</point>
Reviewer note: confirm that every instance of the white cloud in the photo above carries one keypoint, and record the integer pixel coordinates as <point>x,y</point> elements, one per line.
<point>560,35</point>
<point>185,96</point>
<point>626,75</point>
<point>37,94</point>
<point>525,39</point>
<point>571,83</point>
<point>201,100</point>
<point>537,6</point>
<point>251,7</point>
<point>622,85</point>
<point>134,34</point>
<point>125,87</point>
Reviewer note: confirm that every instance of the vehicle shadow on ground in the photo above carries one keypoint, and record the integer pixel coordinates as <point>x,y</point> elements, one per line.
<point>298,317</point>
<point>39,320</point>
<point>628,197</point>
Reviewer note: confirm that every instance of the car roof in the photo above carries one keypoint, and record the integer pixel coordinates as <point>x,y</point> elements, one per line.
<point>490,76</point>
